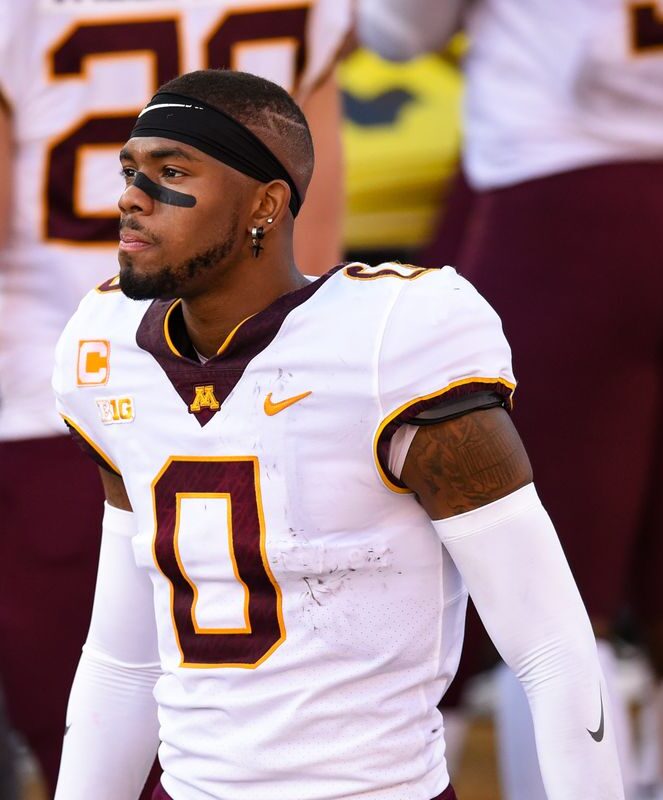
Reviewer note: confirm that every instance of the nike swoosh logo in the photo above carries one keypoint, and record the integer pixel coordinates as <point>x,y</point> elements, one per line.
<point>272,408</point>
<point>597,735</point>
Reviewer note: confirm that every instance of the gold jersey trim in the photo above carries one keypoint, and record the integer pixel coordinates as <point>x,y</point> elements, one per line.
<point>92,444</point>
<point>384,476</point>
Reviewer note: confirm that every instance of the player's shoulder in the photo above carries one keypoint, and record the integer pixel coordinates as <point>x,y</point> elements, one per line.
<point>440,333</point>
<point>437,308</point>
<point>409,289</point>
<point>104,314</point>
<point>107,307</point>
<point>409,309</point>
<point>400,274</point>
<point>440,296</point>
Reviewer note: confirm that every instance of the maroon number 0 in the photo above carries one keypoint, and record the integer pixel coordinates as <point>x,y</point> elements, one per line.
<point>238,481</point>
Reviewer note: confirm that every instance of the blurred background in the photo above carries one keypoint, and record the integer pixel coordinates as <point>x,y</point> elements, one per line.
<point>522,144</point>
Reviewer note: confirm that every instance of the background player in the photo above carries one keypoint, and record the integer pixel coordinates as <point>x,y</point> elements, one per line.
<point>264,449</point>
<point>72,77</point>
<point>562,233</point>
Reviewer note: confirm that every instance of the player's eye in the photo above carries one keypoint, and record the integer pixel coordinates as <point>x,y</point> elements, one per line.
<point>128,173</point>
<point>171,172</point>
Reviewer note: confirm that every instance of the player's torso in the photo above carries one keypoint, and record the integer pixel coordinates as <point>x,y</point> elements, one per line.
<point>76,73</point>
<point>555,86</point>
<point>305,612</point>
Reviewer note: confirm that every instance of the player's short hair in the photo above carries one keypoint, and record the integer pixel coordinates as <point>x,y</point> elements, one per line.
<point>260,104</point>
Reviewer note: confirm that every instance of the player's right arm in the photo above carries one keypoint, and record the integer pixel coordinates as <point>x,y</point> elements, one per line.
<point>112,731</point>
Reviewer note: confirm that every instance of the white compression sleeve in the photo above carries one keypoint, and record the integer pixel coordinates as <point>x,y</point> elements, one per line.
<point>514,568</point>
<point>112,729</point>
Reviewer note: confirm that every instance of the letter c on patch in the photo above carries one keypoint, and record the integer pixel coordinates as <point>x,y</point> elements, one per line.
<point>93,364</point>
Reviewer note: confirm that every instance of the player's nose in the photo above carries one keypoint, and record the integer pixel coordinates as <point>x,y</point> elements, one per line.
<point>134,200</point>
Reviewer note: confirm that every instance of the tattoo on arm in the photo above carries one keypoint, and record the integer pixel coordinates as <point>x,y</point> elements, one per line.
<point>465,463</point>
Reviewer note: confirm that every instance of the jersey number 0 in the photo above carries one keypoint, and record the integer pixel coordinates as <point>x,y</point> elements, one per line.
<point>237,481</point>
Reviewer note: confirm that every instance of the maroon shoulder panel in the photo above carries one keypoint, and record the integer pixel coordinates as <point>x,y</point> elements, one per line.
<point>89,450</point>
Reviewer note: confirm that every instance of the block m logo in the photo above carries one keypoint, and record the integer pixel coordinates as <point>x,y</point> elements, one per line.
<point>204,398</point>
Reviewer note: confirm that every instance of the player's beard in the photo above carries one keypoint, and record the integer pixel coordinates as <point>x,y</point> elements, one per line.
<point>171,280</point>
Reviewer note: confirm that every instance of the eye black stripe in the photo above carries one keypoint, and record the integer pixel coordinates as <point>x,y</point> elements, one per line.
<point>162,194</point>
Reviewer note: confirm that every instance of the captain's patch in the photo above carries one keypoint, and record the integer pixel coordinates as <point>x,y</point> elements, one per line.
<point>93,362</point>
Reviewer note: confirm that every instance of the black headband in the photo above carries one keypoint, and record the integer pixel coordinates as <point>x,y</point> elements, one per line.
<point>184,119</point>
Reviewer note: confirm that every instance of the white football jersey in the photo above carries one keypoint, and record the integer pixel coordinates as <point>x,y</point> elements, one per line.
<point>75,74</point>
<point>309,619</point>
<point>553,86</point>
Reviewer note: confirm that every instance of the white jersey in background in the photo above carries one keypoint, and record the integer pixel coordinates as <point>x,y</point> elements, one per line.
<point>75,73</point>
<point>308,617</point>
<point>553,86</point>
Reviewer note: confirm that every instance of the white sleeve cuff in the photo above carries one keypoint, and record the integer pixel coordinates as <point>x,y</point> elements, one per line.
<point>488,516</point>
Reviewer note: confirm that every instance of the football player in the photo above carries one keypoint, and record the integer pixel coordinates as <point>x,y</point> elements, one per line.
<point>562,232</point>
<point>73,75</point>
<point>301,477</point>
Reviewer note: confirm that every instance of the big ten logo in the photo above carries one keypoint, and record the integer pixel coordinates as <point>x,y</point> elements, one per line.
<point>93,363</point>
<point>115,410</point>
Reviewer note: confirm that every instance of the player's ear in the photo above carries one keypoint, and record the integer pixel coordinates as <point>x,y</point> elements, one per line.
<point>270,204</point>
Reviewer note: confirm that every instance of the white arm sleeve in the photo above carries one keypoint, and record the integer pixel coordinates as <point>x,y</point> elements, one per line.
<point>112,731</point>
<point>400,30</point>
<point>515,570</point>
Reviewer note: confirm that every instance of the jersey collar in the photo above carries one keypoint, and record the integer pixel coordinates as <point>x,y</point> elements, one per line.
<point>162,334</point>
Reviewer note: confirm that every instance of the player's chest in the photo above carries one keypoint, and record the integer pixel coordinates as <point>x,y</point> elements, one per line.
<point>279,464</point>
<point>290,409</point>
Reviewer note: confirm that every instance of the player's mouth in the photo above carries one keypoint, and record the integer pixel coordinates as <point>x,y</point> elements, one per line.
<point>132,242</point>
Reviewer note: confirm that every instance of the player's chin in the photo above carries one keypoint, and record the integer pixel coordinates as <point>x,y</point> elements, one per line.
<point>139,283</point>
<point>130,283</point>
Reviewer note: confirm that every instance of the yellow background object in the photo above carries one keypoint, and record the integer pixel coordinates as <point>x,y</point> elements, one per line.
<point>402,139</point>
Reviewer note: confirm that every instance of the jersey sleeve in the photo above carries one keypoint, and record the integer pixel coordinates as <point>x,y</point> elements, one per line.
<point>73,400</point>
<point>15,42</point>
<point>442,342</point>
<point>330,23</point>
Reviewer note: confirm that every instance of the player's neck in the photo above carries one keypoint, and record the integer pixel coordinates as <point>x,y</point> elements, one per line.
<point>212,316</point>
